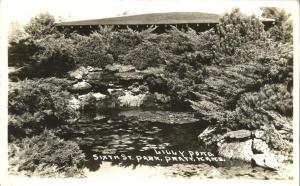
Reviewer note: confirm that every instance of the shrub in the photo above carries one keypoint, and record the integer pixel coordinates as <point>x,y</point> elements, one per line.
<point>34,105</point>
<point>283,29</point>
<point>20,52</point>
<point>175,42</point>
<point>46,155</point>
<point>123,41</point>
<point>43,50</point>
<point>54,57</point>
<point>92,50</point>
<point>145,55</point>
<point>274,97</point>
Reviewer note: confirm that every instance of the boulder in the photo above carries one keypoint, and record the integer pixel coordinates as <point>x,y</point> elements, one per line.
<point>116,92</point>
<point>239,134</point>
<point>74,103</point>
<point>135,90</point>
<point>94,69</point>
<point>80,87</point>
<point>130,76</point>
<point>130,100</point>
<point>237,150</point>
<point>78,73</point>
<point>267,160</point>
<point>94,77</point>
<point>85,97</point>
<point>99,96</point>
<point>101,79</point>
<point>259,134</point>
<point>259,146</point>
<point>99,118</point>
<point>107,104</point>
<point>156,84</point>
<point>157,101</point>
<point>119,68</point>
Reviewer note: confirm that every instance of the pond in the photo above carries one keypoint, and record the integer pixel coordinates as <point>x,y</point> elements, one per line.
<point>117,134</point>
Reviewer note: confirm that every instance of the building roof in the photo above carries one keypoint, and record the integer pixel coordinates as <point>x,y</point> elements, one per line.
<point>153,18</point>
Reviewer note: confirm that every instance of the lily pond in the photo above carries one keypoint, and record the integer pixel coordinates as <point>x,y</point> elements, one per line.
<point>139,134</point>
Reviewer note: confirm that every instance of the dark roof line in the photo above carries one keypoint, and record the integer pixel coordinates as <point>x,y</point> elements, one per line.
<point>152,19</point>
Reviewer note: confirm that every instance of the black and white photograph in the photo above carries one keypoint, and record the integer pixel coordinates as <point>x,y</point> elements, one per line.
<point>151,89</point>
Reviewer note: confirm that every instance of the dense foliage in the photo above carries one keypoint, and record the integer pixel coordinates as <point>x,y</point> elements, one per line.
<point>35,105</point>
<point>43,51</point>
<point>55,157</point>
<point>236,76</point>
<point>283,29</point>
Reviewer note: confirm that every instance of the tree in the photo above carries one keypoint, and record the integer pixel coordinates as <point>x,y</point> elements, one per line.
<point>283,29</point>
<point>44,51</point>
<point>40,26</point>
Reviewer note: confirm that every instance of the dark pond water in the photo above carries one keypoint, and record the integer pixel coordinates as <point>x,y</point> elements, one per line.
<point>115,135</point>
<point>119,135</point>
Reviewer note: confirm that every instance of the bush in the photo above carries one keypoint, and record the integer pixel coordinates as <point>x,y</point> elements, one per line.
<point>54,57</point>
<point>35,105</point>
<point>175,42</point>
<point>92,50</point>
<point>145,55</point>
<point>46,155</point>
<point>283,29</point>
<point>20,52</point>
<point>43,50</point>
<point>123,41</point>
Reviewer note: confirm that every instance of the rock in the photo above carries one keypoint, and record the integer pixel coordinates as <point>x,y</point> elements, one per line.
<point>84,120</point>
<point>78,73</point>
<point>156,84</point>
<point>135,90</point>
<point>85,97</point>
<point>162,98</point>
<point>157,101</point>
<point>259,134</point>
<point>74,103</point>
<point>107,104</point>
<point>164,117</point>
<point>80,87</point>
<point>129,100</point>
<point>119,68</point>
<point>237,150</point>
<point>239,134</point>
<point>111,68</point>
<point>259,146</point>
<point>94,77</point>
<point>116,92</point>
<point>99,118</point>
<point>94,69</point>
<point>267,160</point>
<point>99,96</point>
<point>130,76</point>
<point>101,79</point>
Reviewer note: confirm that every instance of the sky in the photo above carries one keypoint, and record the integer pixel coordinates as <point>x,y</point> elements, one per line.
<point>22,10</point>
